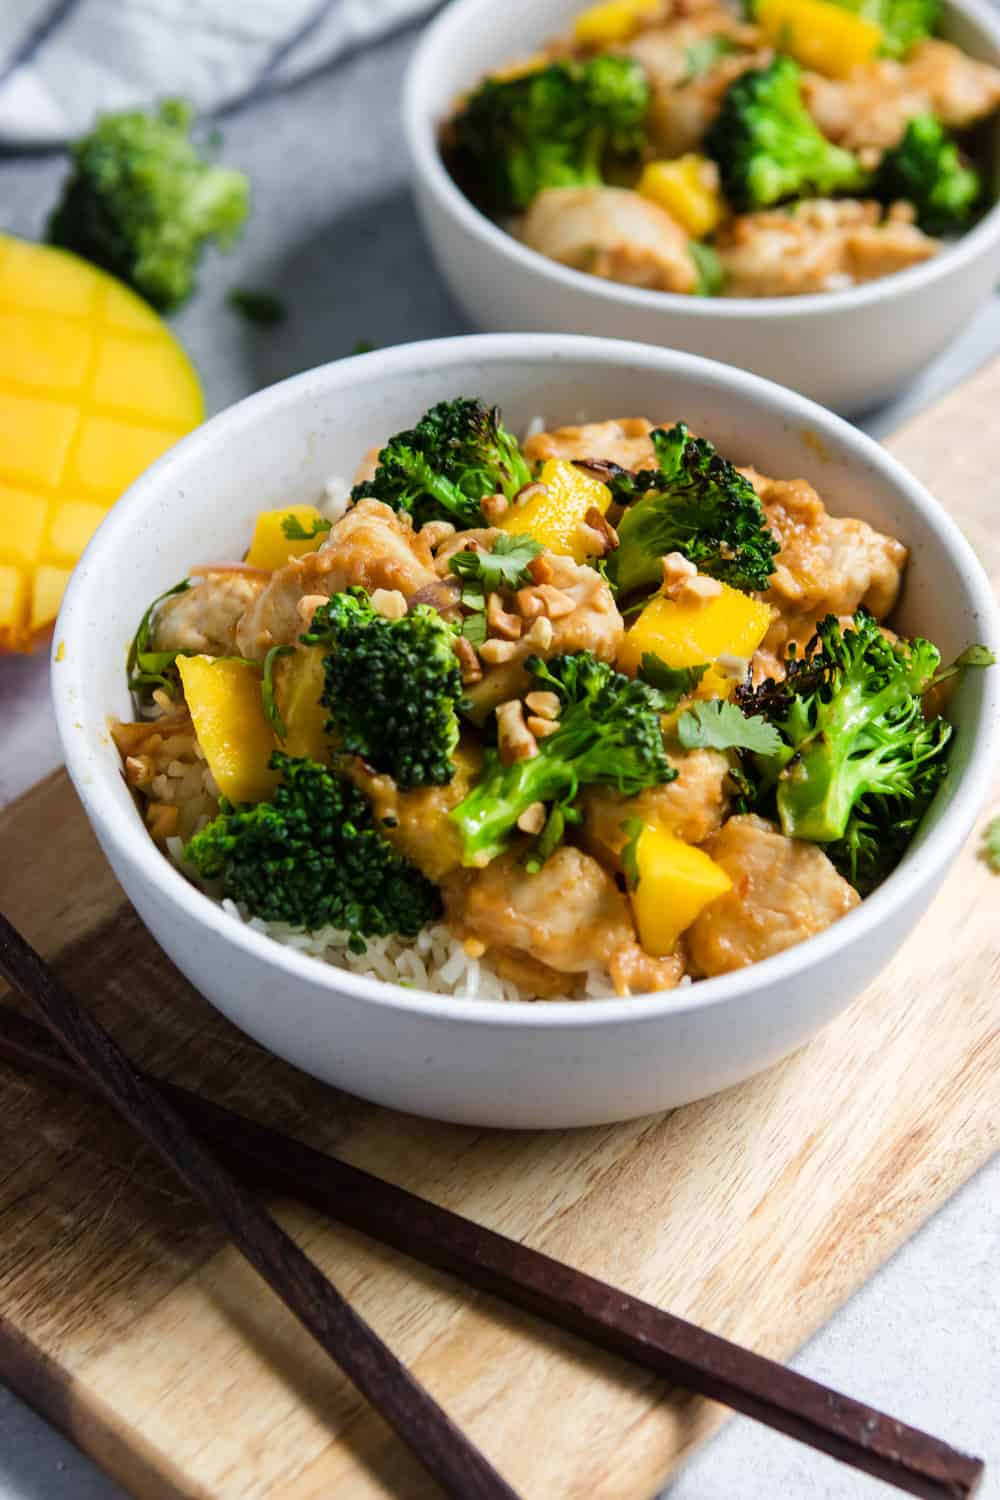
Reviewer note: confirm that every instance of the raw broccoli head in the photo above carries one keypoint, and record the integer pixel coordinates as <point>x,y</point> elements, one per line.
<point>694,502</point>
<point>551,128</point>
<point>859,762</point>
<point>458,453</point>
<point>312,856</point>
<point>609,734</point>
<point>142,201</point>
<point>927,170</point>
<point>393,687</point>
<point>767,147</point>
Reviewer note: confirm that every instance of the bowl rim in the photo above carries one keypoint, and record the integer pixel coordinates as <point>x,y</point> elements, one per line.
<point>86,755</point>
<point>420,131</point>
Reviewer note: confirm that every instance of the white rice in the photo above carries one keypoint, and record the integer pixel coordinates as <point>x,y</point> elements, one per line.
<point>333,502</point>
<point>435,960</point>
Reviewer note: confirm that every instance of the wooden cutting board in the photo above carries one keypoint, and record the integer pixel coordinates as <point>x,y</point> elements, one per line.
<point>127,1321</point>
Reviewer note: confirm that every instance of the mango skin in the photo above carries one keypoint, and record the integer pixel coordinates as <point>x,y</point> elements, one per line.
<point>93,388</point>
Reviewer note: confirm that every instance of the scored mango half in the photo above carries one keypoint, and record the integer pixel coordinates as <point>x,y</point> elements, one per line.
<point>93,388</point>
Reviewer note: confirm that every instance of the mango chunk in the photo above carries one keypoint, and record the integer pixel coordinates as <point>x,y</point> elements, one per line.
<point>299,680</point>
<point>676,883</point>
<point>820,35</point>
<point>92,388</point>
<point>553,516</point>
<point>688,188</point>
<point>613,21</point>
<point>685,635</point>
<point>225,702</point>
<point>271,548</point>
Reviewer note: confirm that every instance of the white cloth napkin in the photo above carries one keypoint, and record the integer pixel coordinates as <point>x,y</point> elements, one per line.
<point>64,61</point>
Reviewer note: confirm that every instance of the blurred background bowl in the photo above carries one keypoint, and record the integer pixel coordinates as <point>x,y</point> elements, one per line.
<point>849,349</point>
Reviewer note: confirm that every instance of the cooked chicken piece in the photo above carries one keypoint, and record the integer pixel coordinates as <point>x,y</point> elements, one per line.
<point>960,90</point>
<point>205,617</point>
<point>371,546</point>
<point>593,624</point>
<point>665,51</point>
<point>827,564</point>
<point>872,105</point>
<point>818,246</point>
<point>784,891</point>
<point>635,972</point>
<point>416,820</point>
<point>625,442</point>
<point>693,806</point>
<point>611,232</point>
<point>679,115</point>
<point>535,979</point>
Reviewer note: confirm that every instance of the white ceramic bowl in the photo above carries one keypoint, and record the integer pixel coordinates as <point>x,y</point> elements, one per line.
<point>553,1064</point>
<point>848,349</point>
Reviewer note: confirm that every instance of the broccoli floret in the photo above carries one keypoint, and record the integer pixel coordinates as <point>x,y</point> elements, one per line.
<point>927,170</point>
<point>609,734</point>
<point>393,687</point>
<point>142,201</point>
<point>859,762</point>
<point>554,127</point>
<point>767,147</point>
<point>694,502</point>
<point>458,453</point>
<point>312,856</point>
<point>903,22</point>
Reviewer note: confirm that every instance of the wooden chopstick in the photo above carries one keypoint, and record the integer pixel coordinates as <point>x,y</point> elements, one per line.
<point>440,1446</point>
<point>686,1355</point>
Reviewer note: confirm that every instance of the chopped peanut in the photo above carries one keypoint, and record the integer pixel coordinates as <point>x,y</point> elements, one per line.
<point>676,569</point>
<point>500,622</point>
<point>389,603</point>
<point>468,661</point>
<point>139,770</point>
<point>495,651</point>
<point>514,740</point>
<point>545,705</point>
<point>556,603</point>
<point>539,637</point>
<point>541,727</point>
<point>540,569</point>
<point>698,590</point>
<point>532,820</point>
<point>493,507</point>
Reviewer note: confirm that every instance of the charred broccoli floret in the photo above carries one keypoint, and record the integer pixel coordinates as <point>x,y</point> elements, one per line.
<point>142,202</point>
<point>458,453</point>
<point>927,169</point>
<point>694,502</point>
<point>859,761</point>
<point>609,734</point>
<point>393,687</point>
<point>312,856</point>
<point>768,148</point>
<point>551,128</point>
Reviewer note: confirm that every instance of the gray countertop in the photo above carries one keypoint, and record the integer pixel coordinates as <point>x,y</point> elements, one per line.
<point>334,230</point>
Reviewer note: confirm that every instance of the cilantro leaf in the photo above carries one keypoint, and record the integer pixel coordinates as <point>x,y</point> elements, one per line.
<point>634,827</point>
<point>504,566</point>
<point>719,725</point>
<point>673,682</point>
<point>294,530</point>
<point>991,845</point>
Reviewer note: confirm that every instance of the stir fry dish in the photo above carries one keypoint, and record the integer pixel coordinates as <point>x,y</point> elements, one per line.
<point>593,714</point>
<point>684,146</point>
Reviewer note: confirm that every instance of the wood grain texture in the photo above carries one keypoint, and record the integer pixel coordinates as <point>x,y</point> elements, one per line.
<point>756,1213</point>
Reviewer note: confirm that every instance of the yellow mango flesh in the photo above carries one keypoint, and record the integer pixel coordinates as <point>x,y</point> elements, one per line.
<point>298,682</point>
<point>93,388</point>
<point>685,635</point>
<point>271,548</point>
<point>676,883</point>
<point>686,189</point>
<point>553,515</point>
<point>613,21</point>
<point>224,698</point>
<point>819,35</point>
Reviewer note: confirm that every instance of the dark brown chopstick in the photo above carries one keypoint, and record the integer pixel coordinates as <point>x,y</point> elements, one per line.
<point>440,1446</point>
<point>685,1354</point>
